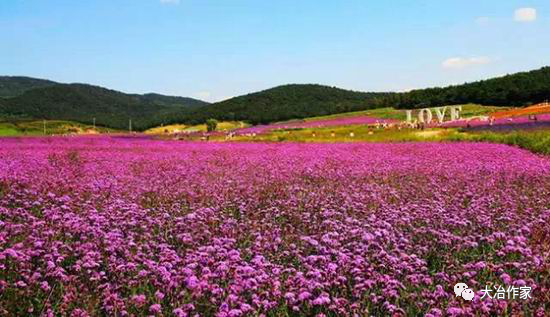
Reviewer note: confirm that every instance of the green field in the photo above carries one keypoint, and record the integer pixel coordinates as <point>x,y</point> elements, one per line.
<point>355,133</point>
<point>53,127</point>
<point>8,130</point>
<point>537,141</point>
<point>468,110</point>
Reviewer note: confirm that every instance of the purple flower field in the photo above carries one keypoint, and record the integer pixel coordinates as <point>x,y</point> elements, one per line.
<point>498,122</point>
<point>128,227</point>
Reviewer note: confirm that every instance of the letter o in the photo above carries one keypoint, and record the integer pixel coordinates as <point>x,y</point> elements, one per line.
<point>428,118</point>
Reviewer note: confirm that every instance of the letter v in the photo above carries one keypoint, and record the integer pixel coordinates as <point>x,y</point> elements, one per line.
<point>440,114</point>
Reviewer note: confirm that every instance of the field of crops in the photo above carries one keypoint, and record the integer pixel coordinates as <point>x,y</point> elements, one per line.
<point>53,127</point>
<point>322,123</point>
<point>511,122</point>
<point>128,226</point>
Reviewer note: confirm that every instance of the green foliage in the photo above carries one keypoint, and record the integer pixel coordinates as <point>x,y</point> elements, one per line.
<point>83,103</point>
<point>113,109</point>
<point>162,100</point>
<point>288,102</point>
<point>53,127</point>
<point>211,125</point>
<point>8,130</point>
<point>11,86</point>
<point>537,141</point>
<point>519,89</point>
<point>468,110</point>
<point>303,101</point>
<point>361,133</point>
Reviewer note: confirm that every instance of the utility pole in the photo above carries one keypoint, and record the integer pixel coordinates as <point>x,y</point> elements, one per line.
<point>130,126</point>
<point>44,127</point>
<point>94,123</point>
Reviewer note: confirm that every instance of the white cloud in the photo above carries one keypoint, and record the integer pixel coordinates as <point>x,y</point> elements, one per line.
<point>407,89</point>
<point>483,21</point>
<point>203,95</point>
<point>210,97</point>
<point>170,1</point>
<point>525,15</point>
<point>224,98</point>
<point>463,62</point>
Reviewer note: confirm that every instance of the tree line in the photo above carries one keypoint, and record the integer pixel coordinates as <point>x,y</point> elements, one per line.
<point>113,109</point>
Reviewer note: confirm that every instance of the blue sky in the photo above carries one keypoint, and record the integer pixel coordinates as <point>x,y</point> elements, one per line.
<point>215,49</point>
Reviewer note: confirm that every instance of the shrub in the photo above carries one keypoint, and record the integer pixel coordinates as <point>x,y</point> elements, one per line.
<point>211,125</point>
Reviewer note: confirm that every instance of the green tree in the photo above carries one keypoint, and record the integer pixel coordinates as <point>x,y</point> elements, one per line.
<point>211,125</point>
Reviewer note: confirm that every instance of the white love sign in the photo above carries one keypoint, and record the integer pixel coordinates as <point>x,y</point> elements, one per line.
<point>426,116</point>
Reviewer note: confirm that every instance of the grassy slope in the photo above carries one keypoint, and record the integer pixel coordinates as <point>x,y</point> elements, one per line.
<point>83,103</point>
<point>7,129</point>
<point>468,110</point>
<point>53,127</point>
<point>222,126</point>
<point>288,102</point>
<point>382,113</point>
<point>173,128</point>
<point>361,133</point>
<point>537,141</point>
<point>11,86</point>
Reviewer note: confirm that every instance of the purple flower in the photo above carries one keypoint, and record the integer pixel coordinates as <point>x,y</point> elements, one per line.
<point>192,282</point>
<point>505,278</point>
<point>321,300</point>
<point>159,295</point>
<point>235,313</point>
<point>454,311</point>
<point>304,295</point>
<point>139,300</point>
<point>155,309</point>
<point>303,228</point>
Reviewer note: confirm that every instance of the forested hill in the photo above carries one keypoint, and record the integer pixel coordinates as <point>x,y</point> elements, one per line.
<point>39,99</point>
<point>302,101</point>
<point>11,86</point>
<point>83,103</point>
<point>288,102</point>
<point>518,89</point>
<point>164,100</point>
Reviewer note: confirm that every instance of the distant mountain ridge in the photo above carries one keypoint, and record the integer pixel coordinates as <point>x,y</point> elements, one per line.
<point>12,86</point>
<point>288,102</point>
<point>171,100</point>
<point>302,101</point>
<point>519,89</point>
<point>25,97</point>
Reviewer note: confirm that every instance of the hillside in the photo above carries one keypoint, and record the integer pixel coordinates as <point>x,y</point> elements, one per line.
<point>520,89</point>
<point>39,99</point>
<point>53,127</point>
<point>83,103</point>
<point>288,102</point>
<point>163,100</point>
<point>303,101</point>
<point>11,86</point>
